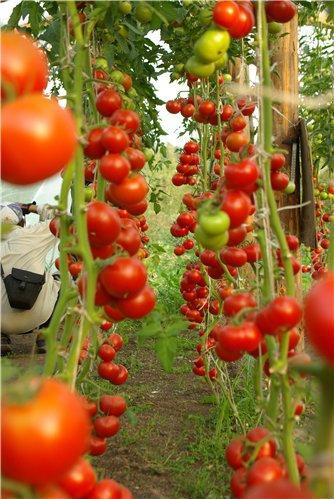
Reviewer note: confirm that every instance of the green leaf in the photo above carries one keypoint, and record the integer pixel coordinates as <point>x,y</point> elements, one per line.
<point>35,16</point>
<point>132,28</point>
<point>166,348</point>
<point>52,35</point>
<point>15,16</point>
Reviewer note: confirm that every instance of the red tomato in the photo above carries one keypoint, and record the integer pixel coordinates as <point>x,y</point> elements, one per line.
<point>253,252</point>
<point>235,141</point>
<point>319,317</point>
<point>108,102</point>
<point>114,168</point>
<point>79,480</point>
<point>50,492</point>
<point>124,277</point>
<point>268,449</point>
<point>135,157</point>
<point>227,355</point>
<point>283,313</point>
<point>24,67</point>
<point>102,252</point>
<point>121,377</point>
<point>265,469</point>
<point>53,406</point>
<point>94,148</point>
<point>136,307</point>
<point>277,161</point>
<point>237,235</point>
<point>239,482</point>
<point>236,257</point>
<point>187,110</point>
<point>113,313</point>
<point>237,205</point>
<point>173,106</point>
<point>114,139</point>
<point>126,119</point>
<point>227,112</point>
<point>207,107</point>
<point>103,223</point>
<point>226,14</point>
<point>137,208</point>
<point>233,453</point>
<point>129,239</point>
<point>54,226</point>
<point>238,123</point>
<point>106,352</point>
<point>240,175</point>
<point>246,107</point>
<point>112,405</point>
<point>127,82</point>
<point>109,489</point>
<point>75,268</point>
<point>106,426</point>
<point>238,301</point>
<point>90,169</point>
<point>277,490</point>
<point>107,370</point>
<point>280,11</point>
<point>38,139</point>
<point>131,191</point>
<point>245,337</point>
<point>191,147</point>
<point>279,180</point>
<point>98,446</point>
<point>245,23</point>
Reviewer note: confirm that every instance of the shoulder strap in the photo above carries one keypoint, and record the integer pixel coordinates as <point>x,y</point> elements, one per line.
<point>2,272</point>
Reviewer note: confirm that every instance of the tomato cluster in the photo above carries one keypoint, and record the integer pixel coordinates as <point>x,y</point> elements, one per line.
<point>255,462</point>
<point>38,136</point>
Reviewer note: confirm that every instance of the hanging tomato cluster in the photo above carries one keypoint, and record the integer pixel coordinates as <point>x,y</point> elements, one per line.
<point>257,464</point>
<point>38,136</point>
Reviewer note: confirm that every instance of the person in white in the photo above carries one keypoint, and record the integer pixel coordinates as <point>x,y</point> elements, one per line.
<point>26,248</point>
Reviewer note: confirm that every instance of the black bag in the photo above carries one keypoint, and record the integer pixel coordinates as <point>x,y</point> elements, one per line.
<point>23,287</point>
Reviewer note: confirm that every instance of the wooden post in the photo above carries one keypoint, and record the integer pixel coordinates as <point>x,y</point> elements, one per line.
<point>286,130</point>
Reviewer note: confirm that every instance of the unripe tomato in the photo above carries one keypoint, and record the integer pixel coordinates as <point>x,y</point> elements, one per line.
<point>214,224</point>
<point>212,45</point>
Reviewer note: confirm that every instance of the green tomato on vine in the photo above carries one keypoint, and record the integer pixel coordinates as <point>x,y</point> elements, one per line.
<point>290,188</point>
<point>125,7</point>
<point>211,242</point>
<point>143,13</point>
<point>195,67</point>
<point>214,224</point>
<point>102,63</point>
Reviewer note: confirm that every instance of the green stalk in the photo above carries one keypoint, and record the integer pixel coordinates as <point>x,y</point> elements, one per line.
<point>330,257</point>
<point>267,128</point>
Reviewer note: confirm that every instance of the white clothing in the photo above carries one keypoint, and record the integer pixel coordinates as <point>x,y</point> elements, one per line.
<point>26,248</point>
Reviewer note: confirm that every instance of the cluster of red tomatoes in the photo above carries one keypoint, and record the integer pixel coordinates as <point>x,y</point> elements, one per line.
<point>255,462</point>
<point>38,136</point>
<point>51,461</point>
<point>188,165</point>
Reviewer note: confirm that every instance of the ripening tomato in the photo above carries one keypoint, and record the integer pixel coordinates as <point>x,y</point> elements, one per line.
<point>238,301</point>
<point>245,337</point>
<point>207,107</point>
<point>237,205</point>
<point>238,123</point>
<point>139,305</point>
<point>113,405</point>
<point>246,107</point>
<point>114,168</point>
<point>108,101</point>
<point>319,317</point>
<point>235,141</point>
<point>24,67</point>
<point>240,175</point>
<point>106,426</point>
<point>131,191</point>
<point>38,139</point>
<point>125,277</point>
<point>225,14</point>
<point>126,119</point>
<point>173,106</point>
<point>103,223</point>
<point>79,480</point>
<point>94,148</point>
<point>277,490</point>
<point>135,157</point>
<point>236,257</point>
<point>227,112</point>
<point>265,469</point>
<point>114,139</point>
<point>281,12</point>
<point>245,22</point>
<point>54,406</point>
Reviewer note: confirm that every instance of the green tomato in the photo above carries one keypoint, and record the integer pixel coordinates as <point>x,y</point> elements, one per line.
<point>117,76</point>
<point>274,28</point>
<point>132,92</point>
<point>205,17</point>
<point>148,153</point>
<point>125,7</point>
<point>290,188</point>
<point>197,68</point>
<point>175,76</point>
<point>211,242</point>
<point>143,12</point>
<point>227,77</point>
<point>179,68</point>
<point>331,219</point>
<point>89,193</point>
<point>187,3</point>
<point>221,63</point>
<point>316,192</point>
<point>212,45</point>
<point>215,223</point>
<point>102,63</point>
<point>330,195</point>
<point>323,195</point>
<point>179,30</point>
<point>123,31</point>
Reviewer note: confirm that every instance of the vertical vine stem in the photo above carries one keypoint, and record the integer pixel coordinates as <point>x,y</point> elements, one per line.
<point>267,129</point>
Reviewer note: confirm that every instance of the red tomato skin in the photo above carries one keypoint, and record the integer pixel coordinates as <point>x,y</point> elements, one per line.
<point>106,426</point>
<point>319,317</point>
<point>98,446</point>
<point>238,482</point>
<point>94,148</point>
<point>114,139</point>
<point>108,102</point>
<point>265,469</point>
<point>277,490</point>
<point>79,480</point>
<point>109,489</point>
<point>113,405</point>
<point>282,11</point>
<point>237,205</point>
<point>225,14</point>
<point>38,139</point>
<point>24,66</point>
<point>30,422</point>
<point>103,223</point>
<point>124,277</point>
<point>114,168</point>
<point>136,307</point>
<point>233,453</point>
<point>125,118</point>
<point>129,192</point>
